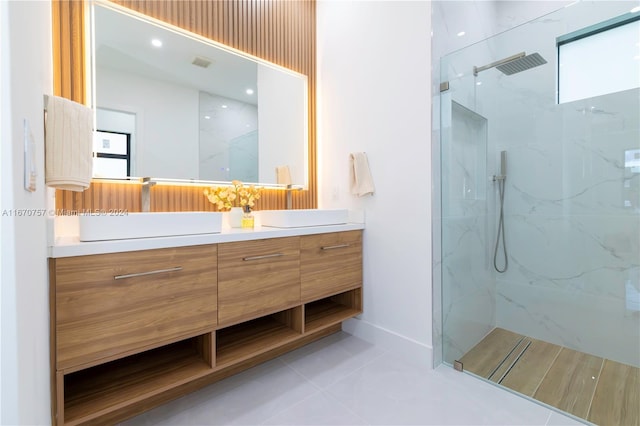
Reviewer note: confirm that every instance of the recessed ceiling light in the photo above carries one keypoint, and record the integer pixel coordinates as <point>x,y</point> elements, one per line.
<point>461,33</point>
<point>249,91</point>
<point>207,117</point>
<point>156,42</point>
<point>223,106</point>
<point>479,83</point>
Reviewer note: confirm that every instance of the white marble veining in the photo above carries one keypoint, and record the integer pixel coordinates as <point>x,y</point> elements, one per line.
<point>342,380</point>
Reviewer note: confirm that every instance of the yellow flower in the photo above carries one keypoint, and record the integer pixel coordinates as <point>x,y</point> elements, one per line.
<point>236,195</point>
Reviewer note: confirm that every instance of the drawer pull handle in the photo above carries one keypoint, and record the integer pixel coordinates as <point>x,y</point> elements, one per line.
<point>334,247</point>
<point>264,256</point>
<point>142,274</point>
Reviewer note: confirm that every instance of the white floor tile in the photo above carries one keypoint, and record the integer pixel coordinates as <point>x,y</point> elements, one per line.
<point>343,380</point>
<point>388,391</point>
<point>319,409</point>
<point>326,361</point>
<point>265,394</point>
<point>558,419</point>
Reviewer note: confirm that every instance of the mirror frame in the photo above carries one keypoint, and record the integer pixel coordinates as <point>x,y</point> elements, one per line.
<point>279,32</point>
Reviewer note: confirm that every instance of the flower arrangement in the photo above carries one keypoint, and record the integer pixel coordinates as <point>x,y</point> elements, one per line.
<point>236,195</point>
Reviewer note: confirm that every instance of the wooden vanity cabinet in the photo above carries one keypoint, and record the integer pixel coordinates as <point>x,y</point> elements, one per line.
<point>110,305</point>
<point>133,330</point>
<point>330,264</point>
<point>257,277</point>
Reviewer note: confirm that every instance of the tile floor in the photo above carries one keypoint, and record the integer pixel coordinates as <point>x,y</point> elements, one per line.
<point>343,380</point>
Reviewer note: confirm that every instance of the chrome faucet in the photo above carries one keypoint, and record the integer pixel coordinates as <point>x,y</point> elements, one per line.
<point>147,183</point>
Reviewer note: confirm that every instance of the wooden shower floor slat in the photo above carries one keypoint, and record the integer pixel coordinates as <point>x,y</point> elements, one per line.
<point>617,397</point>
<point>570,382</point>
<point>601,391</point>
<point>527,374</point>
<point>483,358</point>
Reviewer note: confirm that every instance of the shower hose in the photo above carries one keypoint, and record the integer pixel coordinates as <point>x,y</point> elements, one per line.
<point>501,185</point>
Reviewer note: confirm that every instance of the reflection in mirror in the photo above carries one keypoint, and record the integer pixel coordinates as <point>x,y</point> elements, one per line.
<point>191,108</point>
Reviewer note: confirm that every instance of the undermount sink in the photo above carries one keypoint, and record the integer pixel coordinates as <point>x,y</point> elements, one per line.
<point>303,218</point>
<point>97,227</point>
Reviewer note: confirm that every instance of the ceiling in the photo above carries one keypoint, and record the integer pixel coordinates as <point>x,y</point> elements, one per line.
<point>123,42</point>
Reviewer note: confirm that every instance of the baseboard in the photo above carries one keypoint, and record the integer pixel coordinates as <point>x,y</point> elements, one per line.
<point>412,350</point>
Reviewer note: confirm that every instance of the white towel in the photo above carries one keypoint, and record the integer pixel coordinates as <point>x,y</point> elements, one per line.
<point>69,145</point>
<point>360,175</point>
<point>283,175</point>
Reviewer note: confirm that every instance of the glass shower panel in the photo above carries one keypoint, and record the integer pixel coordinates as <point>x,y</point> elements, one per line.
<point>468,297</point>
<point>572,199</point>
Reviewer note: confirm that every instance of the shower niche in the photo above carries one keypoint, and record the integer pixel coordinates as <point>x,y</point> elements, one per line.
<point>467,155</point>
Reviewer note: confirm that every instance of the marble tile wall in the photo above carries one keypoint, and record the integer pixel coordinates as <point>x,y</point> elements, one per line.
<point>573,226</point>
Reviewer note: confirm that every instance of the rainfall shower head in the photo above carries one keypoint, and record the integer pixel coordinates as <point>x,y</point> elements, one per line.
<point>514,64</point>
<point>522,64</point>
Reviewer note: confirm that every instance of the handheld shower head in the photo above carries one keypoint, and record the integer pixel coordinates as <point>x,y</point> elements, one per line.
<point>503,168</point>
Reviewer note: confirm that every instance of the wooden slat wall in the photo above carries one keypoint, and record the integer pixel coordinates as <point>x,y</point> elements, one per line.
<point>279,31</point>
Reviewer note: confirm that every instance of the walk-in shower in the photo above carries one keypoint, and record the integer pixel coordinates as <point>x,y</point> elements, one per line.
<point>561,323</point>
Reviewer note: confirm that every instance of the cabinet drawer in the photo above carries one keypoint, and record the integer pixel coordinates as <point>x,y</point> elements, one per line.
<point>112,304</point>
<point>257,278</point>
<point>330,264</point>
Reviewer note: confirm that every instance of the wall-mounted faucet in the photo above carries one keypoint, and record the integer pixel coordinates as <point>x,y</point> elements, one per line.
<point>289,200</point>
<point>147,183</point>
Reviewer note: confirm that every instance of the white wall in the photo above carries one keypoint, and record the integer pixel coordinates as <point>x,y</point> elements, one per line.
<point>162,149</point>
<point>374,96</point>
<point>25,75</point>
<point>280,144</point>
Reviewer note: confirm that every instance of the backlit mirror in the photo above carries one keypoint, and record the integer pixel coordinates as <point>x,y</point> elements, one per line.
<point>173,105</point>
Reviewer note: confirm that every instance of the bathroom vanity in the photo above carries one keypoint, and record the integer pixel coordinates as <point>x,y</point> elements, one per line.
<point>136,323</point>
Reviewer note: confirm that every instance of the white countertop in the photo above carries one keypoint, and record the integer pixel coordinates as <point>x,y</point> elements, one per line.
<point>68,246</point>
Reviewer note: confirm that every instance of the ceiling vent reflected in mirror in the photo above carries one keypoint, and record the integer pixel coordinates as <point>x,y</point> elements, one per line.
<point>199,61</point>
